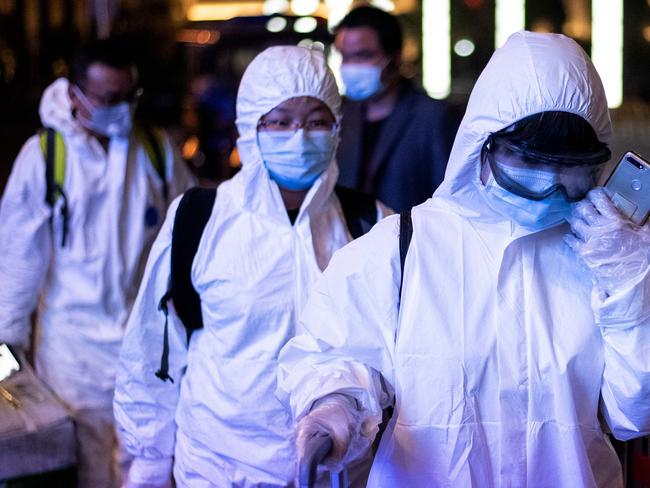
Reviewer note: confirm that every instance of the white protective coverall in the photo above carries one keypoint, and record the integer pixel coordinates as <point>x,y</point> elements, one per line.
<point>85,289</point>
<point>220,419</point>
<point>500,350</point>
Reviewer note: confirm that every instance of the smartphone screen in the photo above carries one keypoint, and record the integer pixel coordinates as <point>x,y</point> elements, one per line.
<point>8,362</point>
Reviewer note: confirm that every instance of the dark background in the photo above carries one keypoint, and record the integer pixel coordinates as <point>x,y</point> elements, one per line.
<point>190,70</point>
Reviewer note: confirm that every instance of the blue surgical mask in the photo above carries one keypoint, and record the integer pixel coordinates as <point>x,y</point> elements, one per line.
<point>530,214</point>
<point>361,80</point>
<point>110,121</point>
<point>295,160</point>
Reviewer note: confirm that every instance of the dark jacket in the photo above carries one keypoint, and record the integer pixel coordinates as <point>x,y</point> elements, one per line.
<point>409,160</point>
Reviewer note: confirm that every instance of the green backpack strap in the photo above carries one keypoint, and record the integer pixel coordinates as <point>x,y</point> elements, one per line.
<point>54,153</point>
<point>152,142</point>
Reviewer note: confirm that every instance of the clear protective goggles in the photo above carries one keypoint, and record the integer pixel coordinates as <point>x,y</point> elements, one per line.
<point>536,176</point>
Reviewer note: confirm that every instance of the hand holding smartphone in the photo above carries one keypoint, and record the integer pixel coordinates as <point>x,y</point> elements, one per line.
<point>629,187</point>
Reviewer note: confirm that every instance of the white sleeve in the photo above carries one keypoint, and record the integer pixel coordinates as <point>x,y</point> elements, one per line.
<point>347,330</point>
<point>179,176</point>
<point>145,405</point>
<point>624,321</point>
<point>25,243</point>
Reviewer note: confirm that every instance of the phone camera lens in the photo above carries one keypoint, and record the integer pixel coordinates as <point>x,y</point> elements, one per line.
<point>635,163</point>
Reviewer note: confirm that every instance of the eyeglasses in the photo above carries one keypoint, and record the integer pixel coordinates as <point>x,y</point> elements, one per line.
<point>114,98</point>
<point>285,125</point>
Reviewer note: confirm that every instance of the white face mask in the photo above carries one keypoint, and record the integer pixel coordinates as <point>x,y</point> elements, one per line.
<point>296,159</point>
<point>530,214</point>
<point>110,121</point>
<point>361,80</point>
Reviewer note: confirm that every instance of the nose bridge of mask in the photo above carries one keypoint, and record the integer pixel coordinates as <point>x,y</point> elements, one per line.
<point>299,141</point>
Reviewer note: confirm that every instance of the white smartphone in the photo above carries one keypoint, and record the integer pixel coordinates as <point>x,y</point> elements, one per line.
<point>629,187</point>
<point>8,362</point>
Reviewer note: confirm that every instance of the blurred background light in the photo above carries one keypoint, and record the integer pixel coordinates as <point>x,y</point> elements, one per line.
<point>646,33</point>
<point>464,48</point>
<point>386,5</point>
<point>222,10</point>
<point>276,24</point>
<point>509,17</point>
<point>337,10</point>
<point>271,7</point>
<point>436,63</point>
<point>304,7</point>
<point>607,46</point>
<point>304,25</point>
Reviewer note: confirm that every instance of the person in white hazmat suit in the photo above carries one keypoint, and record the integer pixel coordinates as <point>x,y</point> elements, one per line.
<point>83,270</point>
<point>272,230</point>
<point>508,337</point>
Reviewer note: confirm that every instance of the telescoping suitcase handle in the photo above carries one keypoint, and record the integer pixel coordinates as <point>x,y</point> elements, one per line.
<point>318,448</point>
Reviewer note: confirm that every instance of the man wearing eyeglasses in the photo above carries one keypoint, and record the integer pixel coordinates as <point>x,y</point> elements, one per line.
<point>80,211</point>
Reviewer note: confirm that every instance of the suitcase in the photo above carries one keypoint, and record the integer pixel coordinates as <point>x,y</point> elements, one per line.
<point>318,448</point>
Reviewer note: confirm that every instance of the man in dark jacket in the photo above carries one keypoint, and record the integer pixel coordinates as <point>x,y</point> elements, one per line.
<point>395,140</point>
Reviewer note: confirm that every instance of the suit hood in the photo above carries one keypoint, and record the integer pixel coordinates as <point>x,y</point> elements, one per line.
<point>531,73</point>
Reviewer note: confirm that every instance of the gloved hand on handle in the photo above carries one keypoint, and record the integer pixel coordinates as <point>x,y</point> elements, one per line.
<point>614,248</point>
<point>336,415</point>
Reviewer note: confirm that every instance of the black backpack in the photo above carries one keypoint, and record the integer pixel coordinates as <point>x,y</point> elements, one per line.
<point>192,215</point>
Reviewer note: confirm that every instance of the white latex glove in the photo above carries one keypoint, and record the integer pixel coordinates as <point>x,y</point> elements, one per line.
<point>614,248</point>
<point>337,416</point>
<point>149,473</point>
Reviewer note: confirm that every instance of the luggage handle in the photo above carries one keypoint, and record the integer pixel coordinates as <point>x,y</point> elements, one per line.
<point>317,449</point>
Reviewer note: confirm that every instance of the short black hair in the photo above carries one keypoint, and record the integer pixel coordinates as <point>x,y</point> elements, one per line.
<point>111,52</point>
<point>555,133</point>
<point>384,24</point>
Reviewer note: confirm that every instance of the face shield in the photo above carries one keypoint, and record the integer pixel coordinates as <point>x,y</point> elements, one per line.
<point>536,175</point>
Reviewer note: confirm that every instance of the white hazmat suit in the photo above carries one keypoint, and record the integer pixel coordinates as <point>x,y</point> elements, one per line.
<point>500,351</point>
<point>86,287</point>
<point>220,420</point>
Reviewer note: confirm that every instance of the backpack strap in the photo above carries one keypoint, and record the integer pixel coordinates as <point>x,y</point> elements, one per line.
<point>359,210</point>
<point>191,217</point>
<point>405,234</point>
<point>54,153</point>
<point>151,140</point>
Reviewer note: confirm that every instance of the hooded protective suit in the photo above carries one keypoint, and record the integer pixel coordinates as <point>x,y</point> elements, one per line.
<point>86,288</point>
<point>220,419</point>
<point>500,350</point>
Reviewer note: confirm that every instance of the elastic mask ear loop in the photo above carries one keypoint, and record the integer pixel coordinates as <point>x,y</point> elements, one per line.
<point>83,98</point>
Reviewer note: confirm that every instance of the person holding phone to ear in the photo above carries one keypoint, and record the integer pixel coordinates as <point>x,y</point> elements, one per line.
<point>500,350</point>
